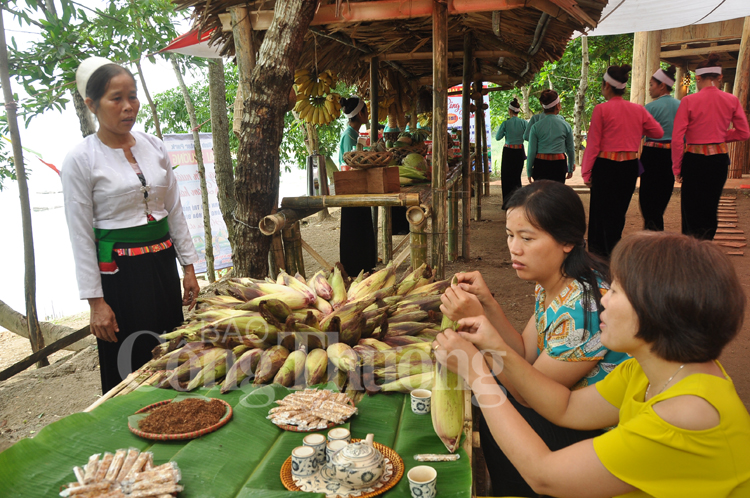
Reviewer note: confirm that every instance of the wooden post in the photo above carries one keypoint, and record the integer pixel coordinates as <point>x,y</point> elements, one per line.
<point>277,249</point>
<point>638,77</point>
<point>242,34</point>
<point>652,59</point>
<point>739,152</point>
<point>288,235</point>
<point>374,131</point>
<point>387,235</point>
<point>418,239</point>
<point>466,153</point>
<point>439,134</point>
<point>478,160</point>
<point>680,90</point>
<point>485,156</point>
<point>299,257</point>
<point>452,222</point>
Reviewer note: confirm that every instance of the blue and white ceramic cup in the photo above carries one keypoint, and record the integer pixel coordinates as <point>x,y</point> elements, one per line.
<point>318,443</point>
<point>339,433</point>
<point>333,446</point>
<point>420,401</point>
<point>422,481</point>
<point>304,462</point>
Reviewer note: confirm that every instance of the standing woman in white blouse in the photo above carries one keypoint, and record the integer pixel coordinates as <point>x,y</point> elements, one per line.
<point>126,226</point>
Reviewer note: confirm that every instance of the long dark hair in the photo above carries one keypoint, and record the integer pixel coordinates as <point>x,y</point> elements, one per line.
<point>556,209</point>
<point>621,74</point>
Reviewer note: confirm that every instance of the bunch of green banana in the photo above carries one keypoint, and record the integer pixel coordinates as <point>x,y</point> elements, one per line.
<point>408,173</point>
<point>310,84</point>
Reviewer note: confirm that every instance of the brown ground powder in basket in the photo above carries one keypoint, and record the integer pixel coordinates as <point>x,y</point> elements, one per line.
<point>186,416</point>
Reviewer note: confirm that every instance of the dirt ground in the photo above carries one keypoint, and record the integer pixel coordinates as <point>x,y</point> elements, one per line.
<point>34,398</point>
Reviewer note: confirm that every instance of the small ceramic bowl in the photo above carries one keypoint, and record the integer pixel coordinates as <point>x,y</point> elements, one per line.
<point>339,433</point>
<point>420,401</point>
<point>304,461</point>
<point>422,481</point>
<point>318,443</point>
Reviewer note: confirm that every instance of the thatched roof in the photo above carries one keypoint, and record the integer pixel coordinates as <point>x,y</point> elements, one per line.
<point>526,38</point>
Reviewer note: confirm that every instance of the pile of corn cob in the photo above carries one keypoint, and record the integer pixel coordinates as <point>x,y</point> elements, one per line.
<point>373,335</point>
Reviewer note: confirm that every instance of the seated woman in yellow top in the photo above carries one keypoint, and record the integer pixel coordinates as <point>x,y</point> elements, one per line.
<point>681,429</point>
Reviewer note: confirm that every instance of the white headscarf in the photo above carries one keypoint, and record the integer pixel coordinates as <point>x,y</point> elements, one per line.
<point>86,69</point>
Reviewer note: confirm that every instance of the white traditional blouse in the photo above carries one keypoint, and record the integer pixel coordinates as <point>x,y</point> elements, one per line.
<point>101,190</point>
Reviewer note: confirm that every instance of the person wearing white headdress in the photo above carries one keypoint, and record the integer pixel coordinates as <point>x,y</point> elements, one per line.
<point>657,180</point>
<point>551,150</point>
<point>610,161</point>
<point>512,129</point>
<point>358,250</point>
<point>122,206</point>
<point>699,147</point>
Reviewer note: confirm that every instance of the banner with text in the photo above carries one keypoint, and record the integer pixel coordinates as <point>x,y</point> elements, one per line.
<point>455,112</point>
<point>181,149</point>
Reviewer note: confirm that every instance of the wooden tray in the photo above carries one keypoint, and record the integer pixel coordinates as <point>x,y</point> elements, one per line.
<point>185,435</point>
<point>398,471</point>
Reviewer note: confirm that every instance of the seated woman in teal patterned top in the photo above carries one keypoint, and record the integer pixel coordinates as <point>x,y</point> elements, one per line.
<point>545,225</point>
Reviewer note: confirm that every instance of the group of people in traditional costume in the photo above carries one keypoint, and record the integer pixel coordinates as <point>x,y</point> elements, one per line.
<point>685,140</point>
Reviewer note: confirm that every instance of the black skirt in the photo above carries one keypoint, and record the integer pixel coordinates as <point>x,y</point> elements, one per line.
<point>612,187</point>
<point>146,299</point>
<point>357,249</point>
<point>550,170</point>
<point>657,182</point>
<point>703,179</point>
<point>510,171</point>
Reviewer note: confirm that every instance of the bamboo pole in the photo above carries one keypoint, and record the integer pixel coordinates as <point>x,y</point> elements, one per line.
<point>387,235</point>
<point>374,103</point>
<point>638,77</point>
<point>29,280</point>
<point>242,34</point>
<point>284,218</point>
<point>351,200</point>
<point>439,135</point>
<point>465,150</point>
<point>680,89</point>
<point>739,152</point>
<point>277,248</point>
<point>478,161</point>
<point>417,216</point>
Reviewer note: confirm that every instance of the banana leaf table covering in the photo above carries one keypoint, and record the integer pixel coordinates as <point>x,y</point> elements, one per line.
<point>242,459</point>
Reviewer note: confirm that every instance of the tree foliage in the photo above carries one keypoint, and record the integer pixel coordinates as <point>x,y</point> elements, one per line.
<point>174,119</point>
<point>565,76</point>
<point>124,31</point>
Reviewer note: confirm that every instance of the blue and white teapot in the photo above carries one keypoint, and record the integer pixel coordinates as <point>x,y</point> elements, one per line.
<point>356,465</point>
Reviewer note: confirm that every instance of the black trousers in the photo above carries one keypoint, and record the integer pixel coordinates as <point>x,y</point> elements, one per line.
<point>550,170</point>
<point>146,299</point>
<point>506,481</point>
<point>357,249</point>
<point>703,179</point>
<point>612,187</point>
<point>510,171</point>
<point>657,182</point>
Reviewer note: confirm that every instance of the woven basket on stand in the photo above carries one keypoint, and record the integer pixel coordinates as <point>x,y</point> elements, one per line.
<point>364,159</point>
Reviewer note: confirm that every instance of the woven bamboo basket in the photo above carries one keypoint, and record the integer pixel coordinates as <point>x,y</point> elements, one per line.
<point>365,159</point>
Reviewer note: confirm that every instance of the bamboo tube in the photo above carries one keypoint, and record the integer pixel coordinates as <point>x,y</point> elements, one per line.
<point>284,218</point>
<point>353,200</point>
<point>485,158</point>
<point>387,235</point>
<point>466,160</point>
<point>417,217</point>
<point>291,264</point>
<point>439,135</point>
